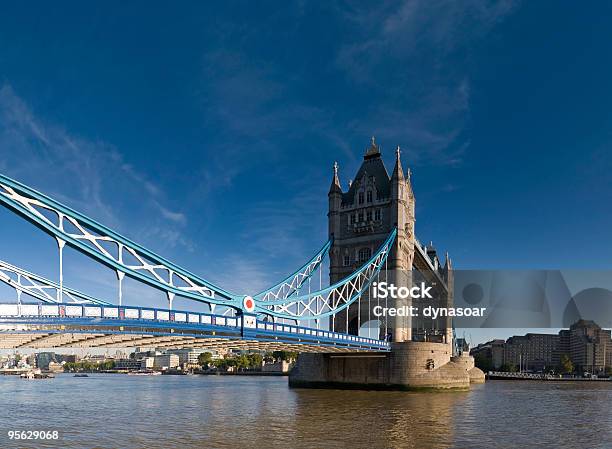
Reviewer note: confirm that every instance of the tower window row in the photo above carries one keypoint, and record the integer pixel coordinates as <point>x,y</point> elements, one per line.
<point>367,197</point>
<point>358,217</point>
<point>363,255</point>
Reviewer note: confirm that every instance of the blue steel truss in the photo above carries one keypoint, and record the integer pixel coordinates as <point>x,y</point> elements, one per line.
<point>129,258</point>
<point>336,297</point>
<point>108,247</point>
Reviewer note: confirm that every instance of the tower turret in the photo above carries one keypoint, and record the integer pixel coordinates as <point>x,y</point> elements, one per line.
<point>398,172</point>
<point>335,201</point>
<point>373,150</point>
<point>402,256</point>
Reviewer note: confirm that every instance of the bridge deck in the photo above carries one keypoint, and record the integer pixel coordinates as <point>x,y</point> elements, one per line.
<point>86,326</point>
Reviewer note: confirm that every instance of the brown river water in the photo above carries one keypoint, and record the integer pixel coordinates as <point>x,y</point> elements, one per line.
<point>118,411</point>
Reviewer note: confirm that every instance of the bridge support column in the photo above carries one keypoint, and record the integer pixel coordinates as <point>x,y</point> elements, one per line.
<point>409,365</point>
<point>402,325</point>
<point>60,293</point>
<point>120,276</point>
<point>249,324</point>
<point>18,291</point>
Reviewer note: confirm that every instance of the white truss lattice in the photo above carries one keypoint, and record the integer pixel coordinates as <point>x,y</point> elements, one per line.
<point>40,288</point>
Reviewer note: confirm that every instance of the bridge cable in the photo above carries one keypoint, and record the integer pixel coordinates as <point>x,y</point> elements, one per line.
<point>17,290</point>
<point>386,304</point>
<point>359,312</point>
<point>60,292</point>
<point>369,311</point>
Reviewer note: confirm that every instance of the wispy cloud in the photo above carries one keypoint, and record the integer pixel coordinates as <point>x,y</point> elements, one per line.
<point>89,175</point>
<point>278,237</point>
<point>411,56</point>
<point>255,104</point>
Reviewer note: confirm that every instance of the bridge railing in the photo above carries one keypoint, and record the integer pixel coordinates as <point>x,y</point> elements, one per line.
<point>98,313</point>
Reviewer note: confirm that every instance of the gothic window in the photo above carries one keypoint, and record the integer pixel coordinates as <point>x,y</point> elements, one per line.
<point>360,197</point>
<point>369,196</point>
<point>364,254</point>
<point>377,215</point>
<point>377,195</point>
<point>360,217</point>
<point>347,260</point>
<point>353,218</point>
<point>369,215</point>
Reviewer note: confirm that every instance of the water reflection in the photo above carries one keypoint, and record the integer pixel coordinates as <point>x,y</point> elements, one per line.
<point>375,419</point>
<point>110,411</point>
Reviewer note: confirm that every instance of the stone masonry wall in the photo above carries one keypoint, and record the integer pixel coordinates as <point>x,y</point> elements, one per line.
<point>409,365</point>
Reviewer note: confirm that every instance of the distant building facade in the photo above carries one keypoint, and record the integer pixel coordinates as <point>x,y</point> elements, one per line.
<point>588,346</point>
<point>55,367</point>
<point>535,352</point>
<point>44,358</point>
<point>127,364</point>
<point>188,357</point>
<point>490,354</point>
<point>282,366</point>
<point>165,361</point>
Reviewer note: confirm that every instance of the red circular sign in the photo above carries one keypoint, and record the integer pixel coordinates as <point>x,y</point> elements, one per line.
<point>248,303</point>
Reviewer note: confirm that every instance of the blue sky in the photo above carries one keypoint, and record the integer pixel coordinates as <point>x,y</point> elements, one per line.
<point>207,132</point>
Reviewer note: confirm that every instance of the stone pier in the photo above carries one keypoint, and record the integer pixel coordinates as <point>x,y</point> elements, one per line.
<point>409,366</point>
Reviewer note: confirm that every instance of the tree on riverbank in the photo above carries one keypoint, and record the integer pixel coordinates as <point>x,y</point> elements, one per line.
<point>284,356</point>
<point>88,366</point>
<point>204,359</point>
<point>247,361</point>
<point>250,361</point>
<point>483,362</point>
<point>566,364</point>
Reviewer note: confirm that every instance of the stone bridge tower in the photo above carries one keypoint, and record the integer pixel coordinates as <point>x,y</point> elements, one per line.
<point>360,219</point>
<point>421,351</point>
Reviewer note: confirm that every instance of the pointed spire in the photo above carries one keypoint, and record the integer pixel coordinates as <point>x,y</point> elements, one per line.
<point>373,150</point>
<point>447,262</point>
<point>398,172</point>
<point>335,185</point>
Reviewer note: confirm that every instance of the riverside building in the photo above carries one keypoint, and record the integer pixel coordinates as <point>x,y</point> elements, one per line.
<point>588,346</point>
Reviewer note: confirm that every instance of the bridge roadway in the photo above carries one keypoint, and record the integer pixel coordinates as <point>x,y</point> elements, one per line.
<point>95,326</point>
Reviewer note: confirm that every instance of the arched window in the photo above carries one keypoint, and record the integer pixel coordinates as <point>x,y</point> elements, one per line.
<point>360,197</point>
<point>369,196</point>
<point>377,215</point>
<point>347,260</point>
<point>365,254</point>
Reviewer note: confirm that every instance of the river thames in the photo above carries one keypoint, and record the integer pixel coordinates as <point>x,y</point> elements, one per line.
<point>119,411</point>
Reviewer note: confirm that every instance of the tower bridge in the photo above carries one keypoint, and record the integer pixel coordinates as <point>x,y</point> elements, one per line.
<point>371,238</point>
